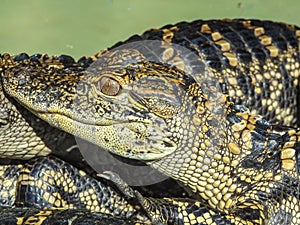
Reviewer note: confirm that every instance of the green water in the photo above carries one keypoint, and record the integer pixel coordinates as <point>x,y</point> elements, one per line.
<point>78,27</point>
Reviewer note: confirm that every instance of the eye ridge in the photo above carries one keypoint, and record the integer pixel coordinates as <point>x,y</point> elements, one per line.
<point>109,86</point>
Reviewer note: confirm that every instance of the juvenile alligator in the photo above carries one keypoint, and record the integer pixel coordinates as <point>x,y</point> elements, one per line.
<point>204,120</point>
<point>48,190</point>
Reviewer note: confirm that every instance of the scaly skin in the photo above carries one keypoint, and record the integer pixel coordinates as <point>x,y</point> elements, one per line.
<point>23,135</point>
<point>18,216</point>
<point>60,191</point>
<point>192,125</point>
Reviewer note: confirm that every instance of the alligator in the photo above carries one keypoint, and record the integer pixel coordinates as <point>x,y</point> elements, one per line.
<point>212,104</point>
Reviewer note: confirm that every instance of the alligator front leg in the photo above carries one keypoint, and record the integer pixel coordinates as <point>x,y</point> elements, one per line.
<point>178,211</point>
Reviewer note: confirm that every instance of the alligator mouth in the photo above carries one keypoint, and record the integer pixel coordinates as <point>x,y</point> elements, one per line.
<point>106,121</point>
<point>156,146</point>
<point>155,143</point>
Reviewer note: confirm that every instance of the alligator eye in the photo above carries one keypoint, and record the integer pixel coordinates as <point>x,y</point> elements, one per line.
<point>109,86</point>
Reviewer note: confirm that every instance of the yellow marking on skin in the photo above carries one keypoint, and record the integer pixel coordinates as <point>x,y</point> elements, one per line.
<point>239,93</point>
<point>251,126</point>
<point>37,219</point>
<point>274,51</point>
<point>24,179</point>
<point>236,135</point>
<point>225,45</point>
<point>216,36</point>
<point>278,177</point>
<point>264,102</point>
<point>234,148</point>
<point>288,164</point>
<point>222,186</point>
<point>4,194</point>
<point>20,220</point>
<point>82,173</point>
<point>259,31</point>
<point>205,29</point>
<point>217,156</point>
<point>258,177</point>
<point>268,174</point>
<point>239,126</point>
<point>244,115</point>
<point>202,146</point>
<point>289,144</point>
<point>231,93</point>
<point>226,169</point>
<point>44,213</point>
<point>234,163</point>
<point>233,61</point>
<point>226,160</point>
<point>267,76</point>
<point>46,196</point>
<point>7,183</point>
<point>168,35</point>
<point>51,199</point>
<point>58,203</point>
<point>259,77</point>
<point>207,142</point>
<point>265,40</point>
<point>204,128</point>
<point>220,168</point>
<point>196,120</point>
<point>168,53</point>
<point>232,81</point>
<point>25,170</point>
<point>288,153</point>
<point>291,134</point>
<point>209,187</point>
<point>192,216</point>
<point>179,63</point>
<point>213,201</point>
<point>221,204</point>
<point>228,203</point>
<point>174,28</point>
<point>248,180</point>
<point>214,164</point>
<point>243,177</point>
